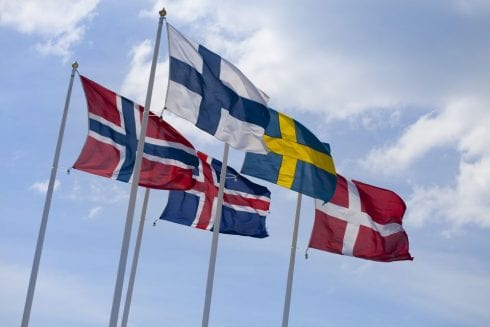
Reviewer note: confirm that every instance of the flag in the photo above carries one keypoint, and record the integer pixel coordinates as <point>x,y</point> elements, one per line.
<point>214,95</point>
<point>297,159</point>
<point>363,221</point>
<point>245,204</point>
<point>110,147</point>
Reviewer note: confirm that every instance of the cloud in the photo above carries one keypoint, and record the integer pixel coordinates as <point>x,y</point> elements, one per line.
<point>135,86</point>
<point>101,192</point>
<point>94,212</point>
<point>466,203</point>
<point>59,23</point>
<point>342,71</point>
<point>42,187</point>
<point>462,124</point>
<point>471,7</point>
<point>359,68</point>
<point>59,295</point>
<point>454,293</point>
<point>448,126</point>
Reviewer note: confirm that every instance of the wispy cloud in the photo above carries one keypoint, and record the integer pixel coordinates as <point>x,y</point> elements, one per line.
<point>94,212</point>
<point>135,86</point>
<point>371,73</point>
<point>100,192</point>
<point>59,23</point>
<point>61,296</point>
<point>341,72</point>
<point>42,187</point>
<point>466,199</point>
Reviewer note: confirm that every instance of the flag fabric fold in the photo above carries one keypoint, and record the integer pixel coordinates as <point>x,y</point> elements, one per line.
<point>110,147</point>
<point>297,160</point>
<point>214,95</point>
<point>245,204</point>
<point>363,221</point>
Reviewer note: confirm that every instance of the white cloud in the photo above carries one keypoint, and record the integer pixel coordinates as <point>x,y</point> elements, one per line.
<point>471,7</point>
<point>444,128</point>
<point>337,72</point>
<point>448,291</point>
<point>62,297</point>
<point>370,72</point>
<point>462,124</point>
<point>42,187</point>
<point>59,23</point>
<point>94,212</point>
<point>467,202</point>
<point>102,192</point>
<point>135,86</point>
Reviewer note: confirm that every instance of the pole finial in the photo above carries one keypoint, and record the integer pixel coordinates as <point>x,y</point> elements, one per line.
<point>163,12</point>
<point>74,65</point>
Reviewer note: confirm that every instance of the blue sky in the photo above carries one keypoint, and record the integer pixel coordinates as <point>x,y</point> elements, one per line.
<point>398,88</point>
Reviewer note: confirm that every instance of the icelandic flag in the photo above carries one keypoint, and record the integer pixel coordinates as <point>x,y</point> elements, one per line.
<point>214,95</point>
<point>361,220</point>
<point>110,148</point>
<point>245,204</point>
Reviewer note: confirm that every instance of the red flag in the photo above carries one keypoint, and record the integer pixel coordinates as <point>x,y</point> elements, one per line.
<point>363,221</point>
<point>110,148</point>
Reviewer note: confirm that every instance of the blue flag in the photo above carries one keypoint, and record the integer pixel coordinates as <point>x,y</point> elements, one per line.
<point>245,204</point>
<point>297,159</point>
<point>214,95</point>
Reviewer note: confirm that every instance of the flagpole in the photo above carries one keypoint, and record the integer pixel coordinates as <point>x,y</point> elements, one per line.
<point>47,204</point>
<point>214,244</point>
<point>287,299</point>
<point>134,265</point>
<point>134,186</point>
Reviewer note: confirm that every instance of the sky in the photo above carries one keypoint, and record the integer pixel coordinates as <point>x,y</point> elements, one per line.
<point>399,89</point>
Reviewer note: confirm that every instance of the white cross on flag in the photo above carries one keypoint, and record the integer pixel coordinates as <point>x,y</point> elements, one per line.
<point>363,221</point>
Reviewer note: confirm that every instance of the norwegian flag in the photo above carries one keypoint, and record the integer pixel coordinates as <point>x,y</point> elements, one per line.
<point>110,148</point>
<point>245,204</point>
<point>363,221</point>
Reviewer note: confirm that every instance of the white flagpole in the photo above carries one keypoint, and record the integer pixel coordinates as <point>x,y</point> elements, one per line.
<point>47,204</point>
<point>134,265</point>
<point>134,186</point>
<point>214,244</point>
<point>287,299</point>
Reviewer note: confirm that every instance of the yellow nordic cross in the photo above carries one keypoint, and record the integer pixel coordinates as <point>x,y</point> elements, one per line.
<point>291,151</point>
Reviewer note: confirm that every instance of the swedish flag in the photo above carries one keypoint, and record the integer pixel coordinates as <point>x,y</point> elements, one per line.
<point>297,159</point>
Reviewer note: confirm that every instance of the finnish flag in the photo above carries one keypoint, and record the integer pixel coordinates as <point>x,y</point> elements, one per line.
<point>217,97</point>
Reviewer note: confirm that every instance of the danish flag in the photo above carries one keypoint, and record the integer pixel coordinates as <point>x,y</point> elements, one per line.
<point>363,221</point>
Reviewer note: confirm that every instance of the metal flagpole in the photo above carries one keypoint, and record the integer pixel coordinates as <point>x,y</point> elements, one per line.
<point>134,265</point>
<point>214,244</point>
<point>47,205</point>
<point>287,299</point>
<point>134,186</point>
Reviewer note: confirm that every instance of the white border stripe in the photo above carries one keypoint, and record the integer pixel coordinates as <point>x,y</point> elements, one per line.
<point>121,114</point>
<point>122,150</point>
<point>176,145</point>
<point>104,121</point>
<point>166,161</point>
<point>245,209</point>
<point>137,120</point>
<point>201,198</point>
